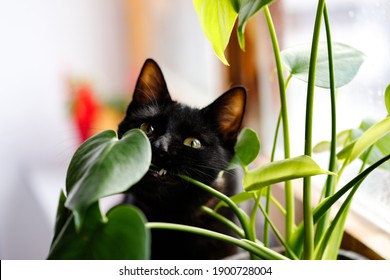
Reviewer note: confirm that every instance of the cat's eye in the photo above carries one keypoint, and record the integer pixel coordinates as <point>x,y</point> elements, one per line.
<point>147,128</point>
<point>192,142</point>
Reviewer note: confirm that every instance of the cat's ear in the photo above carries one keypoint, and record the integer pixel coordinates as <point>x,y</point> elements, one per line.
<point>151,86</point>
<point>228,112</point>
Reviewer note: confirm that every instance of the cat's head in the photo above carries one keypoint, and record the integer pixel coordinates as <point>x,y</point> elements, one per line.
<point>194,142</point>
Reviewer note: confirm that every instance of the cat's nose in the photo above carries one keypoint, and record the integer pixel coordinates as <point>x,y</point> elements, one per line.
<point>161,151</point>
<point>162,143</point>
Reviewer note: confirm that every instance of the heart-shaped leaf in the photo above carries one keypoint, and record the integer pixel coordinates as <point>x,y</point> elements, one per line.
<point>104,165</point>
<point>217,20</point>
<point>281,171</point>
<point>246,149</point>
<point>346,60</point>
<point>122,235</point>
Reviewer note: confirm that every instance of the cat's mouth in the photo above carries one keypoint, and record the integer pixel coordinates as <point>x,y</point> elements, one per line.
<point>163,175</point>
<point>157,171</point>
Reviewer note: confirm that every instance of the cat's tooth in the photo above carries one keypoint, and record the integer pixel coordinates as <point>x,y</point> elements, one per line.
<point>162,172</point>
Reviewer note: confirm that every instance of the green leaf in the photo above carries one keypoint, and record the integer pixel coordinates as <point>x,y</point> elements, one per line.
<point>280,171</point>
<point>104,165</point>
<point>125,231</point>
<point>346,59</point>
<point>236,5</point>
<point>341,139</point>
<point>217,20</point>
<point>380,149</point>
<point>329,246</point>
<point>122,236</point>
<point>322,146</point>
<point>248,8</point>
<point>62,215</point>
<point>246,149</point>
<point>371,136</point>
<point>387,99</point>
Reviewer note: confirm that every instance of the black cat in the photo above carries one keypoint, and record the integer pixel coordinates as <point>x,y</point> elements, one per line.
<point>194,142</point>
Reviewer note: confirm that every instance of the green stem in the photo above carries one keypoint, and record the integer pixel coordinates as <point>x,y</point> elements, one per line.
<point>277,233</point>
<point>307,196</point>
<point>253,248</point>
<point>267,210</point>
<point>224,220</point>
<point>274,145</point>
<point>253,215</point>
<point>289,193</point>
<point>331,180</point>
<point>242,217</point>
<point>278,205</point>
<point>268,190</point>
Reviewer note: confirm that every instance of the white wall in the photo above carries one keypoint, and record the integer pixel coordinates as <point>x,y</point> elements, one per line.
<point>42,43</point>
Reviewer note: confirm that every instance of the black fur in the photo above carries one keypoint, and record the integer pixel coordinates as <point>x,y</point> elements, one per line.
<point>167,198</point>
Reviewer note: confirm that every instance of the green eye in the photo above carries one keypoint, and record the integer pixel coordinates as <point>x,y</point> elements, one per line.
<point>147,128</point>
<point>192,142</point>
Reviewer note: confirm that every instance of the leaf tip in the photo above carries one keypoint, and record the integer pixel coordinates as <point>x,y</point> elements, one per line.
<point>241,39</point>
<point>78,220</point>
<point>223,59</point>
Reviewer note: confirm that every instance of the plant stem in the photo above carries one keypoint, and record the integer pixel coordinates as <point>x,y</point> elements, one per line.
<point>267,210</point>
<point>277,233</point>
<point>289,192</point>
<point>253,214</point>
<point>224,220</point>
<point>307,207</point>
<point>274,144</point>
<point>278,205</point>
<point>242,217</point>
<point>268,190</point>
<point>331,180</point>
<point>253,248</point>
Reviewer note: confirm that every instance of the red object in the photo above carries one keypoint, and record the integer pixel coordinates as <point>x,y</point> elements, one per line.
<point>85,110</point>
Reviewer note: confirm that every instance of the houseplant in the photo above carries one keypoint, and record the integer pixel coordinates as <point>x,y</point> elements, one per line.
<point>96,169</point>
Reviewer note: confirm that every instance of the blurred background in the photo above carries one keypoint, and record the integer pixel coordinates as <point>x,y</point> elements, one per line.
<point>68,69</point>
